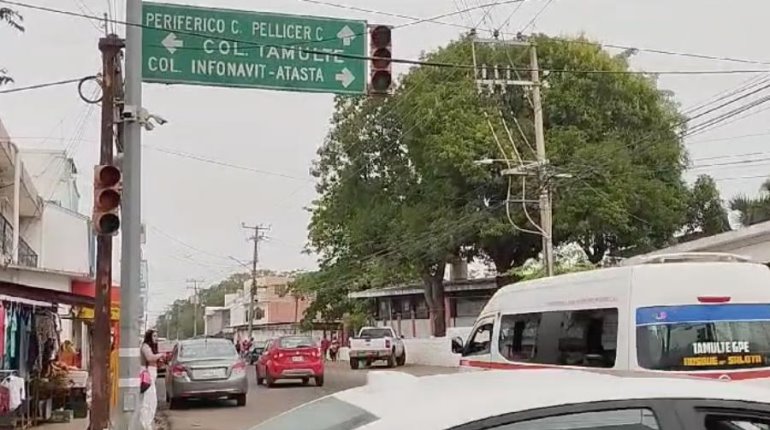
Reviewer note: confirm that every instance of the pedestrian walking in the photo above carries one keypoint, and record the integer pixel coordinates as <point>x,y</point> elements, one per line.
<point>334,348</point>
<point>325,347</point>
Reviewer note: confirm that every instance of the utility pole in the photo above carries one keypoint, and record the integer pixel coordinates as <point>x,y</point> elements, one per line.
<point>196,303</point>
<point>131,229</point>
<point>258,229</point>
<point>110,48</point>
<point>502,78</point>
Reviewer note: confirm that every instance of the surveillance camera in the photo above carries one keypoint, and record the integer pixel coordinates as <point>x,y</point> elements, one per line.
<point>148,126</point>
<point>159,119</point>
<point>129,112</point>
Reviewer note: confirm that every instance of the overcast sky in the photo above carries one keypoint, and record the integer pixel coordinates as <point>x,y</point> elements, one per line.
<point>203,204</point>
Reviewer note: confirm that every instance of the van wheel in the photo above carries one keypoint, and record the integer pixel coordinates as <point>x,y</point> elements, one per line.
<point>401,360</point>
<point>240,400</point>
<point>354,363</point>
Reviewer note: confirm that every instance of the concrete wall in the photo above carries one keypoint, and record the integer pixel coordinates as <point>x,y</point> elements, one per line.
<point>436,351</point>
<point>66,241</point>
<point>54,176</point>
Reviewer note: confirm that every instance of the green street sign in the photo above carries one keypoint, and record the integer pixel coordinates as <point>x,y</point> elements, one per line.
<point>231,48</point>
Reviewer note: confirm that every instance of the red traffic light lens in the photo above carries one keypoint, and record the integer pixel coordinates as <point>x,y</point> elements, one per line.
<point>108,200</point>
<point>381,81</point>
<point>108,224</point>
<point>382,60</point>
<point>108,176</point>
<point>380,36</point>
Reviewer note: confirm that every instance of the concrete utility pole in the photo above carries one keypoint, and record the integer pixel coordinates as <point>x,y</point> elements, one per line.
<point>196,303</point>
<point>502,78</point>
<point>110,47</point>
<point>131,228</point>
<point>258,229</point>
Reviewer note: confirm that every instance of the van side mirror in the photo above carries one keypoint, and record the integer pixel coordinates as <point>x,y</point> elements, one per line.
<point>457,345</point>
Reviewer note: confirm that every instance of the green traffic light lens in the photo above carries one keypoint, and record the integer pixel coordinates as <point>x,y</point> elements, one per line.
<point>109,224</point>
<point>381,81</point>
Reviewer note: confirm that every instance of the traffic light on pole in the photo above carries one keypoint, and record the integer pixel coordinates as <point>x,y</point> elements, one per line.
<point>380,73</point>
<point>107,196</point>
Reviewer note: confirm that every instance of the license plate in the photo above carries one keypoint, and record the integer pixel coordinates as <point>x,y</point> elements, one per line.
<point>297,358</point>
<point>209,374</point>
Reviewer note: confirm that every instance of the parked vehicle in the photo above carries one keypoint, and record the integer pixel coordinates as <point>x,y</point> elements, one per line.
<point>256,351</point>
<point>705,315</point>
<point>553,399</point>
<point>206,368</point>
<point>165,347</point>
<point>376,344</point>
<point>291,357</point>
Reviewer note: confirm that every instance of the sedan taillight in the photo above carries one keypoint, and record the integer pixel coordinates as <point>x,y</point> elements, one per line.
<point>178,370</point>
<point>239,367</point>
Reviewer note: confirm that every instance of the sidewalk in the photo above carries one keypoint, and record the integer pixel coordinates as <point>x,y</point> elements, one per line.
<point>75,424</point>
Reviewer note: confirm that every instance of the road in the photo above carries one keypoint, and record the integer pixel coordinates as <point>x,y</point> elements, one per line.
<point>264,403</point>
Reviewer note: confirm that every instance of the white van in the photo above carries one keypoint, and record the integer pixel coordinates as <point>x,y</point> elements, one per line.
<point>702,314</point>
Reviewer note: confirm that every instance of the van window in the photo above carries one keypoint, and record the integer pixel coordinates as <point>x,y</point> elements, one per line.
<point>518,334</point>
<point>570,338</point>
<point>480,342</point>
<point>703,337</point>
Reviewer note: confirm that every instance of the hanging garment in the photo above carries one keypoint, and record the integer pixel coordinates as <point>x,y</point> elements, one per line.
<point>17,394</point>
<point>2,327</point>
<point>12,339</point>
<point>34,347</point>
<point>24,336</point>
<point>8,311</point>
<point>45,328</point>
<point>5,400</point>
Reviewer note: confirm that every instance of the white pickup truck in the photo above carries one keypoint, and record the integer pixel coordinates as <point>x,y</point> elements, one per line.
<point>376,344</point>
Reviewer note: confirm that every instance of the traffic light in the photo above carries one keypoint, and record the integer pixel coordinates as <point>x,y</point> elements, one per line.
<point>107,196</point>
<point>380,75</point>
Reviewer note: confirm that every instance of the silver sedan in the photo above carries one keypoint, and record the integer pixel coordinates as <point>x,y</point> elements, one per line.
<point>207,368</point>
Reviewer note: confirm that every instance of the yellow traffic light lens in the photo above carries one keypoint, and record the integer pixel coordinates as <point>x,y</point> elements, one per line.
<point>108,224</point>
<point>381,81</point>
<point>383,58</point>
<point>108,200</point>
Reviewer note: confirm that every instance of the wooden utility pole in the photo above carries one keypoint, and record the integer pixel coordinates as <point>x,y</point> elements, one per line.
<point>258,229</point>
<point>110,47</point>
<point>196,303</point>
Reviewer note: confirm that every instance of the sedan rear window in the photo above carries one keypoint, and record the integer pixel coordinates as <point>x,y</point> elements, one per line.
<point>207,349</point>
<point>328,413</point>
<point>296,342</point>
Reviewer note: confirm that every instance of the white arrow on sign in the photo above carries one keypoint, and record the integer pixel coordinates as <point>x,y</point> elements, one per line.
<point>346,35</point>
<point>171,43</point>
<point>345,77</point>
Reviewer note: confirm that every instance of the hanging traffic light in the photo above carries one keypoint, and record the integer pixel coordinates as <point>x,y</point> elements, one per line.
<point>380,75</point>
<point>107,196</point>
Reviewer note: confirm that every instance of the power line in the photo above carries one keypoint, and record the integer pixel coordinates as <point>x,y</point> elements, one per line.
<point>224,164</point>
<point>537,15</point>
<point>38,86</point>
<point>393,60</point>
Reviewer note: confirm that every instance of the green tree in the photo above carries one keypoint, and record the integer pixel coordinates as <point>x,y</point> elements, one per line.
<point>706,214</point>
<point>13,19</point>
<point>401,193</point>
<point>750,210</point>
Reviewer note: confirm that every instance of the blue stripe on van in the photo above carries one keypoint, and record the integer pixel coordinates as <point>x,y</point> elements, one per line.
<point>696,313</point>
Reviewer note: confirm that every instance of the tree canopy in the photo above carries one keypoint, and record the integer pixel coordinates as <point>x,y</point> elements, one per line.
<point>401,191</point>
<point>706,214</point>
<point>14,20</point>
<point>754,210</point>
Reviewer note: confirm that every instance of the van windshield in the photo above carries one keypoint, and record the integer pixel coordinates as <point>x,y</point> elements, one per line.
<point>703,337</point>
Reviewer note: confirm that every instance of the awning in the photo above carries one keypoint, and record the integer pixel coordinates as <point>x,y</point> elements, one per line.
<point>44,295</point>
<point>85,313</point>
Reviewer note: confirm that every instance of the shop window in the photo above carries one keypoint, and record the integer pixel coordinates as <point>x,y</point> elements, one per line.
<point>421,308</point>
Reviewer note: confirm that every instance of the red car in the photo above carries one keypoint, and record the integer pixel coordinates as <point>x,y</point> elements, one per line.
<point>291,357</point>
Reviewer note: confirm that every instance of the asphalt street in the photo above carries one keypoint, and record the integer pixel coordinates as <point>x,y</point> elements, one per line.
<point>264,403</point>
